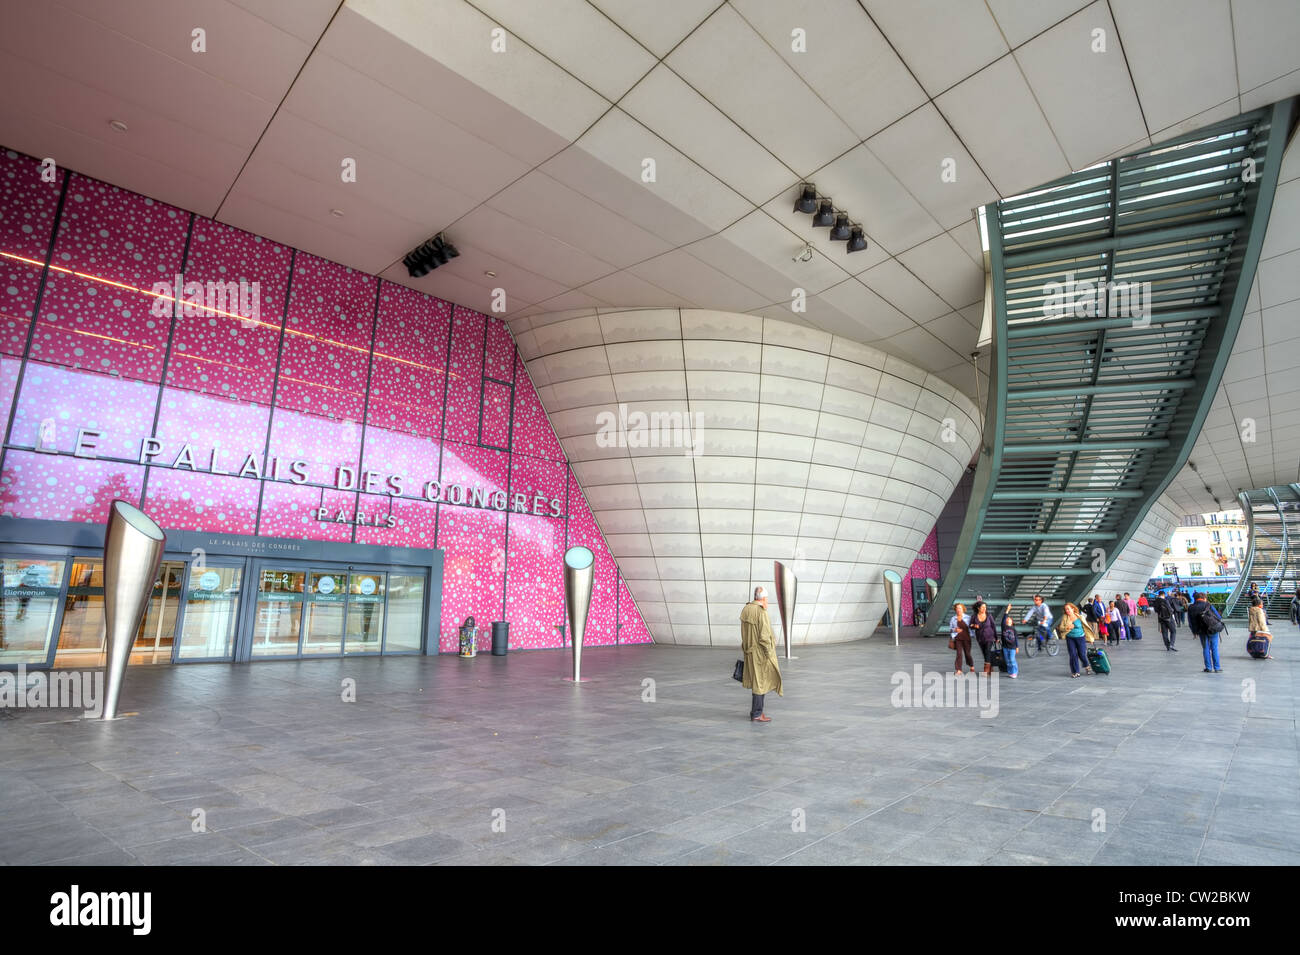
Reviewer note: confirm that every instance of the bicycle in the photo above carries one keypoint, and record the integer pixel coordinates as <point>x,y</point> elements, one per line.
<point>1051,644</point>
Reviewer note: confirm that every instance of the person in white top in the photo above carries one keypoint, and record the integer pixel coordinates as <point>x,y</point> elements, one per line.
<point>1116,623</point>
<point>1040,615</point>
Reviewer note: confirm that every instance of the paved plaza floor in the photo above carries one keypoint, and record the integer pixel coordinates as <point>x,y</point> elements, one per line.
<point>497,760</point>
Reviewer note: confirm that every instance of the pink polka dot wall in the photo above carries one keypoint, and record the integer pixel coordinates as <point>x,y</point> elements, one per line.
<point>301,385</point>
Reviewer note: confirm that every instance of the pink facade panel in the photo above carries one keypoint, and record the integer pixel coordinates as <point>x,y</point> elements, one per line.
<point>632,628</point>
<point>56,404</point>
<point>474,467</point>
<point>86,324</point>
<point>473,570</point>
<point>415,522</point>
<point>409,370</point>
<point>535,581</point>
<point>56,487</point>
<point>496,414</point>
<point>499,357</point>
<point>291,510</point>
<point>323,445</point>
<point>187,500</point>
<point>407,461</point>
<point>465,377</point>
<point>27,207</point>
<point>925,565</point>
<point>534,477</point>
<point>228,346</point>
<point>533,434</point>
<point>119,237</point>
<point>206,423</point>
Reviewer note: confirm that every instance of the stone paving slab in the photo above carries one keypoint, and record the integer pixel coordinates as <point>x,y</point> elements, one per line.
<point>497,761</point>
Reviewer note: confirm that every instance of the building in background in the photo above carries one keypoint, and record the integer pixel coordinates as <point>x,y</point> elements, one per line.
<point>1205,545</point>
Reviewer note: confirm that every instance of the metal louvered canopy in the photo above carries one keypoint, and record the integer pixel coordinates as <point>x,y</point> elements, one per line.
<point>1117,293</point>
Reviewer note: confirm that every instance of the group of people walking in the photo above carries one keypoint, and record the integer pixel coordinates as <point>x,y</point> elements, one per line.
<point>1096,621</point>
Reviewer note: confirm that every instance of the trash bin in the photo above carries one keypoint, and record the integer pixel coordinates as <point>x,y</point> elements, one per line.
<point>468,638</point>
<point>500,638</point>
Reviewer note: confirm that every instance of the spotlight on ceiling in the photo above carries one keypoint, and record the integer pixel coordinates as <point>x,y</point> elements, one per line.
<point>427,256</point>
<point>807,201</point>
<point>825,214</point>
<point>841,231</point>
<point>857,240</point>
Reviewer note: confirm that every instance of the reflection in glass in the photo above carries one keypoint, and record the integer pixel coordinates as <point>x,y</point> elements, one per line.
<point>211,609</point>
<point>366,613</point>
<point>325,600</point>
<point>81,638</point>
<point>153,641</point>
<point>279,613</point>
<point>29,602</point>
<point>405,613</point>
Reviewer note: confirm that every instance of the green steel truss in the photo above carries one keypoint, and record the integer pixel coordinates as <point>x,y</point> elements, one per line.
<point>1273,554</point>
<point>1095,400</point>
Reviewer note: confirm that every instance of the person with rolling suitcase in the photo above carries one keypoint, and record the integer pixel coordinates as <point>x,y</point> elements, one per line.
<point>1260,640</point>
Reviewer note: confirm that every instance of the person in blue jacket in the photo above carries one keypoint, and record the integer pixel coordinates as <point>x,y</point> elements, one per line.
<point>1206,623</point>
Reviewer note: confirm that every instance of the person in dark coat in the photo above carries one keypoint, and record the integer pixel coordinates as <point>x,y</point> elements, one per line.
<point>1206,623</point>
<point>985,632</point>
<point>1165,617</point>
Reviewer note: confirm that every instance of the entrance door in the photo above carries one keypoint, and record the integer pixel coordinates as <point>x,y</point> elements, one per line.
<point>277,623</point>
<point>365,633</point>
<point>211,613</point>
<point>326,600</point>
<point>82,640</point>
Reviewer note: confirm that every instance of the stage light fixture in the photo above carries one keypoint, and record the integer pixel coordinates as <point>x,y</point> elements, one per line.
<point>807,201</point>
<point>841,231</point>
<point>825,214</point>
<point>857,240</point>
<point>427,256</point>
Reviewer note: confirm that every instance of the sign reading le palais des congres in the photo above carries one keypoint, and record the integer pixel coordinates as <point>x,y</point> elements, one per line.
<point>342,477</point>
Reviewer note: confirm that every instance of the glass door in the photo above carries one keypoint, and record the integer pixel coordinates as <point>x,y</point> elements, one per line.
<point>29,606</point>
<point>157,633</point>
<point>366,612</point>
<point>327,595</point>
<point>209,625</point>
<point>277,622</point>
<point>81,637</point>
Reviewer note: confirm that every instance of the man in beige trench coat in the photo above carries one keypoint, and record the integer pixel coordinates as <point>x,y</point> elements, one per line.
<point>762,672</point>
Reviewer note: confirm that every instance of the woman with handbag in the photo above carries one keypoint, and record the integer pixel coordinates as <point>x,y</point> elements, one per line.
<point>985,632</point>
<point>1260,640</point>
<point>960,639</point>
<point>1072,631</point>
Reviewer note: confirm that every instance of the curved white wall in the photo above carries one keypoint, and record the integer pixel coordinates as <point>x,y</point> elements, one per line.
<point>812,449</point>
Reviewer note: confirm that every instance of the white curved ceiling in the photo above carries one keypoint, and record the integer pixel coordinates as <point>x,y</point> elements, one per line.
<point>532,157</point>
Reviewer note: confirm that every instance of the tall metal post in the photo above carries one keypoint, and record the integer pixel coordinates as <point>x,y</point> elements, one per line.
<point>133,549</point>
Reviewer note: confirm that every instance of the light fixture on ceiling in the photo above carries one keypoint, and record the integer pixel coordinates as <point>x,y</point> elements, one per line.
<point>807,201</point>
<point>489,273</point>
<point>825,216</point>
<point>118,125</point>
<point>337,213</point>
<point>805,254</point>
<point>423,259</point>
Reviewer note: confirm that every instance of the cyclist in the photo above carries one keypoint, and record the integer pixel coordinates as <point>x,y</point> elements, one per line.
<point>1041,617</point>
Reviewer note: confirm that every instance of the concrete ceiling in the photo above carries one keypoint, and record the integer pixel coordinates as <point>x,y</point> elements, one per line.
<point>532,157</point>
